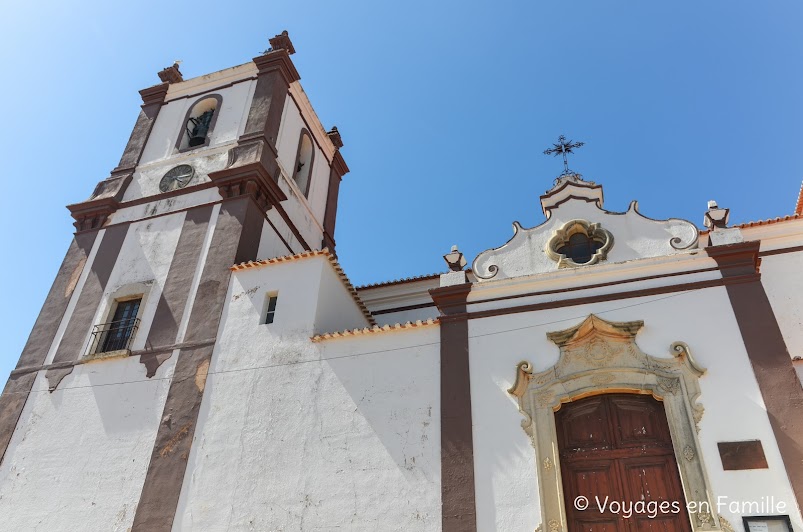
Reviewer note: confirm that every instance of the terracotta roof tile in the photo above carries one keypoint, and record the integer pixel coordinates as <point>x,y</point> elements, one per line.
<point>403,280</point>
<point>424,277</point>
<point>757,223</point>
<point>375,330</point>
<point>799,206</point>
<point>308,254</point>
<point>770,221</point>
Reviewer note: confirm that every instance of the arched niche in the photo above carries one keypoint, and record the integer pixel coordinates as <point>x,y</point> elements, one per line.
<point>199,122</point>
<point>305,155</point>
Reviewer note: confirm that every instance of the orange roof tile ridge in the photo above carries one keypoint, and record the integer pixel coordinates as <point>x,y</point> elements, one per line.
<point>412,279</point>
<point>375,329</point>
<point>769,221</point>
<point>314,253</point>
<point>799,206</point>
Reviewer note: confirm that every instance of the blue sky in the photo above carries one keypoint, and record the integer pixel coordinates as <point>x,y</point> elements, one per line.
<point>444,107</point>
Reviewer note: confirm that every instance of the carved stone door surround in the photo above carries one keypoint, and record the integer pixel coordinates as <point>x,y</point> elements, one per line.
<point>599,356</point>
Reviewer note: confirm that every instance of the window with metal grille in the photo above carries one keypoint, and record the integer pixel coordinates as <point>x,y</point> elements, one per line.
<point>117,334</point>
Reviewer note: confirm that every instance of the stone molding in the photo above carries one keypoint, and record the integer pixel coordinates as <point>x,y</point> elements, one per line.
<point>593,231</point>
<point>279,61</point>
<point>599,356</point>
<point>249,179</point>
<point>640,237</point>
<point>92,214</point>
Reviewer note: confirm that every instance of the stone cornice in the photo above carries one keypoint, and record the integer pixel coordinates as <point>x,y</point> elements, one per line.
<point>737,259</point>
<point>155,94</point>
<point>93,214</point>
<point>339,164</point>
<point>451,299</point>
<point>278,60</point>
<point>250,179</point>
<point>105,200</point>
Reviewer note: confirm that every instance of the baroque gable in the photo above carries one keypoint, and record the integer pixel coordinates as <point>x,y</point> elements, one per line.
<point>576,206</point>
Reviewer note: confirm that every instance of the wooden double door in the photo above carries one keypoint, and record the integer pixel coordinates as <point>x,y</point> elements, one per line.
<point>616,451</point>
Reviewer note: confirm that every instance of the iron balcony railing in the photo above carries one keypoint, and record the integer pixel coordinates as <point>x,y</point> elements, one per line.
<point>113,336</point>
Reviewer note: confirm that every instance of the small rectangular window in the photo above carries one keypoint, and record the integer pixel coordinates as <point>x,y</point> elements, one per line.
<point>270,307</point>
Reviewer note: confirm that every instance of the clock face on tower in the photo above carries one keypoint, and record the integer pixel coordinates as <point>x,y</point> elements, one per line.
<point>176,178</point>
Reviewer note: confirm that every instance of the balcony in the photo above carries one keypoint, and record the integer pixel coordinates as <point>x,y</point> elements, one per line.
<point>113,339</point>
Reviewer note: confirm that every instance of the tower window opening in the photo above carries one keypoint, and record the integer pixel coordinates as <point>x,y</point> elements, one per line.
<point>302,171</point>
<point>200,127</point>
<point>118,333</point>
<point>199,122</point>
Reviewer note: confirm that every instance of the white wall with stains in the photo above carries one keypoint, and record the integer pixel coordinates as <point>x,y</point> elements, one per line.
<point>782,277</point>
<point>296,435</point>
<point>78,458</point>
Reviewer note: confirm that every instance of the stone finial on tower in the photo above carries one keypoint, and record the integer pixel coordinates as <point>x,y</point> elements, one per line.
<point>171,74</point>
<point>799,205</point>
<point>334,136</point>
<point>282,42</point>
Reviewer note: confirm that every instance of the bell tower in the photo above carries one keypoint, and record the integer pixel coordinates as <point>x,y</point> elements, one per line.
<point>249,129</point>
<point>219,169</point>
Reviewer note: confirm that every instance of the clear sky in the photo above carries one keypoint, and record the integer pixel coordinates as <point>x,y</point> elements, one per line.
<point>445,108</point>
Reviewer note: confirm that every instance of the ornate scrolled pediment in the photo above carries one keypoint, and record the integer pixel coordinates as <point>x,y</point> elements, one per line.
<point>598,353</point>
<point>600,356</point>
<point>538,249</point>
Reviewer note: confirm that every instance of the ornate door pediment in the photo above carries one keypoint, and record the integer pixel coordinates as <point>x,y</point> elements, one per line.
<point>599,356</point>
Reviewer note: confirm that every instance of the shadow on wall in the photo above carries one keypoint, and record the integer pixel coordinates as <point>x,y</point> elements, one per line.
<point>397,393</point>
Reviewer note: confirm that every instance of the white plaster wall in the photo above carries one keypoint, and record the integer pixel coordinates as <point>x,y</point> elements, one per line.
<point>337,310</point>
<point>400,295</point>
<point>231,118</point>
<point>300,436</point>
<point>314,205</point>
<point>270,245</point>
<point>143,264</point>
<point>166,205</point>
<point>506,486</point>
<point>289,135</point>
<point>310,228</point>
<point>783,282</point>
<point>78,458</point>
<point>146,179</point>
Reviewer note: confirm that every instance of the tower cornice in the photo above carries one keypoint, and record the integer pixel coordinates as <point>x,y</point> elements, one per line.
<point>277,61</point>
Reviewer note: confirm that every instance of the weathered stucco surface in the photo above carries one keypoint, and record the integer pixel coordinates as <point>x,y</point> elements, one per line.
<point>78,458</point>
<point>301,436</point>
<point>782,279</point>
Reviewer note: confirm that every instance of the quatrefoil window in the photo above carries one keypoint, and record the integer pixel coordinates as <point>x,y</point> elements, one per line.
<point>579,243</point>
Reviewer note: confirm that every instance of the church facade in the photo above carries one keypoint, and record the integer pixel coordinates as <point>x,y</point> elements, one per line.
<point>202,361</point>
